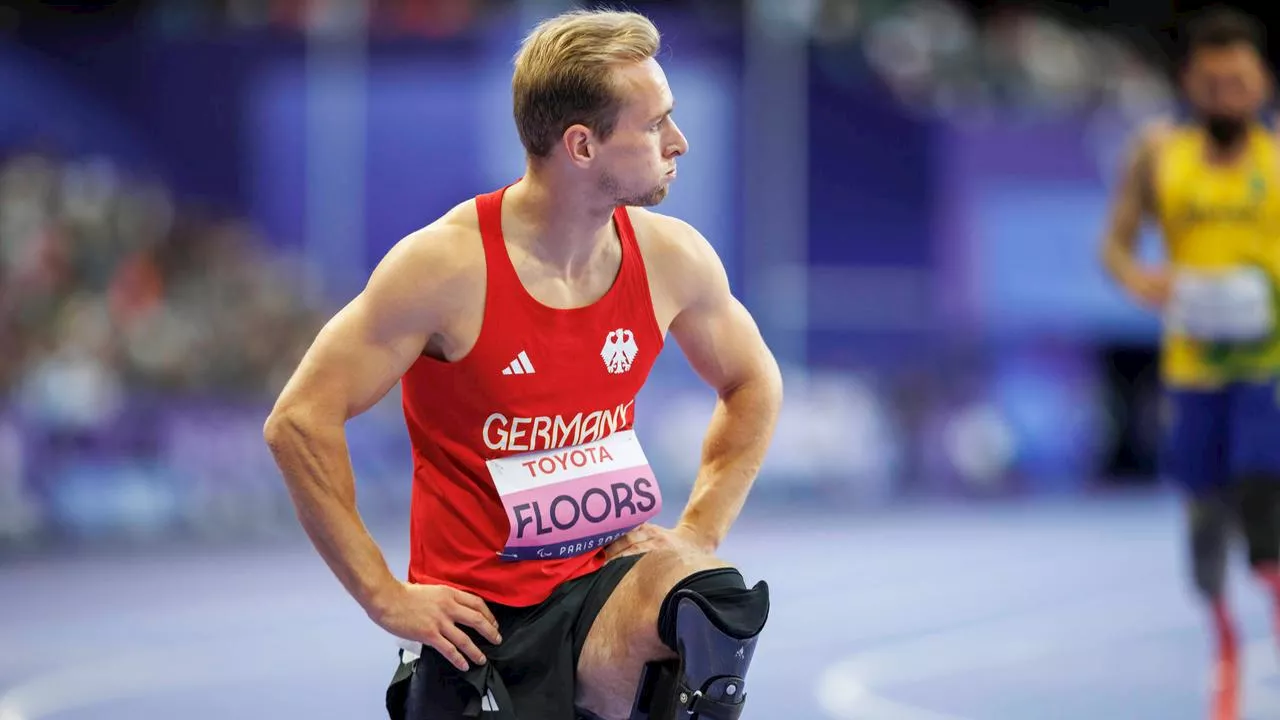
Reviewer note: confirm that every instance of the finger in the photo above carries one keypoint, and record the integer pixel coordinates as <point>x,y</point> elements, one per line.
<point>644,532</point>
<point>482,625</point>
<point>448,651</point>
<point>649,531</point>
<point>462,642</point>
<point>636,548</point>
<point>618,547</point>
<point>475,603</point>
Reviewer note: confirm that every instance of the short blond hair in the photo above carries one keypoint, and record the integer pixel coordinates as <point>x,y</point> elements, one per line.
<point>563,73</point>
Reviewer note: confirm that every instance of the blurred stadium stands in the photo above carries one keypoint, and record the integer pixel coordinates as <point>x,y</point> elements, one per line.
<point>189,189</point>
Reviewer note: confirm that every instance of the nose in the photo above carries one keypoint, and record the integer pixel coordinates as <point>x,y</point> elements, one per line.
<point>679,145</point>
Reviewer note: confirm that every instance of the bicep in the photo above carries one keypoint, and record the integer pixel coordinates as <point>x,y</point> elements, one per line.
<point>355,360</point>
<point>715,331</point>
<point>1133,199</point>
<point>722,343</point>
<point>364,350</point>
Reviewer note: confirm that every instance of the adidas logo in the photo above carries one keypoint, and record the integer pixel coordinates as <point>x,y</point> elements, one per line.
<point>489,703</point>
<point>519,366</point>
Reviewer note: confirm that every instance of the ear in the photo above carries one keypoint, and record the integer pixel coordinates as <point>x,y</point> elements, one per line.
<point>579,143</point>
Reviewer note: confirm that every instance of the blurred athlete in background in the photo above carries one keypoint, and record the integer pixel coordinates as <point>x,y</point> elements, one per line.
<point>1211,180</point>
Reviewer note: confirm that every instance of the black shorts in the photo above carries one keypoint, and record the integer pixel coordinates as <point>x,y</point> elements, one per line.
<point>536,664</point>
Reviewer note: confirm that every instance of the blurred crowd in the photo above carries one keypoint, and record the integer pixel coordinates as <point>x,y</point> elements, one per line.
<point>939,57</point>
<point>936,55</point>
<point>106,283</point>
<point>109,288</point>
<point>115,292</point>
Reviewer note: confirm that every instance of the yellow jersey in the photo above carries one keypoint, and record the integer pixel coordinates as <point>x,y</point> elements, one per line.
<point>1214,218</point>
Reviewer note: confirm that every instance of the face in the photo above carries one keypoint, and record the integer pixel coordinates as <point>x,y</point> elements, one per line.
<point>637,163</point>
<point>1227,85</point>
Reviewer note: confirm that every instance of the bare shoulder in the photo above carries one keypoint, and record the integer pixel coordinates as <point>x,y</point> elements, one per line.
<point>677,254</point>
<point>435,261</point>
<point>1151,137</point>
<point>666,234</point>
<point>449,245</point>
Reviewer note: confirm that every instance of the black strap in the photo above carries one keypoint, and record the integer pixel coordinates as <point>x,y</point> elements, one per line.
<point>483,680</point>
<point>487,682</point>
<point>398,690</point>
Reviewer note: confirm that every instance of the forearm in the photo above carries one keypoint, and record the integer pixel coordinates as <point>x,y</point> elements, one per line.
<point>317,470</point>
<point>1118,259</point>
<point>1131,207</point>
<point>732,453</point>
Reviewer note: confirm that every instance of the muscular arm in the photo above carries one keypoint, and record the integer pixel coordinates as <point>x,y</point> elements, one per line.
<point>355,360</point>
<point>724,346</point>
<point>1132,204</point>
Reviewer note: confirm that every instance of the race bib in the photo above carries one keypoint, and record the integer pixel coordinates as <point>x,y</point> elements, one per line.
<point>1234,306</point>
<point>574,500</point>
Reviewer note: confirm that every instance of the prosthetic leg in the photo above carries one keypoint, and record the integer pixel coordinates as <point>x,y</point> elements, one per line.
<point>1211,525</point>
<point>712,621</point>
<point>1258,501</point>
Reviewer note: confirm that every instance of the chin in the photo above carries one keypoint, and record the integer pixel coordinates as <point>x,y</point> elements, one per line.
<point>649,199</point>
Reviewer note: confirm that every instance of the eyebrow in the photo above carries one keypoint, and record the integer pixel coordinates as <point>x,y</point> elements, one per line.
<point>670,109</point>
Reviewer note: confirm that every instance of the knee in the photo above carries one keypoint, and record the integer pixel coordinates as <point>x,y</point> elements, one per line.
<point>678,563</point>
<point>662,572</point>
<point>1259,503</point>
<point>667,568</point>
<point>1209,527</point>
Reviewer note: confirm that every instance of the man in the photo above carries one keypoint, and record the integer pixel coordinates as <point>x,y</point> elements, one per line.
<point>522,324</point>
<point>1213,184</point>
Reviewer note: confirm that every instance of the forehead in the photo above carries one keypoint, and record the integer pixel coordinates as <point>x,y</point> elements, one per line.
<point>643,86</point>
<point>1238,57</point>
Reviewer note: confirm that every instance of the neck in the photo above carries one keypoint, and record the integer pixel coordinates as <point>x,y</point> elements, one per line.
<point>1229,146</point>
<point>1226,154</point>
<point>562,225</point>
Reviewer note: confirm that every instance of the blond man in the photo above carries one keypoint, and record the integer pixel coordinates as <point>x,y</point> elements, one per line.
<point>521,325</point>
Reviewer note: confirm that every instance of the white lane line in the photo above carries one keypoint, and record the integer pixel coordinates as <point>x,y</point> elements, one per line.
<point>853,688</point>
<point>124,676</point>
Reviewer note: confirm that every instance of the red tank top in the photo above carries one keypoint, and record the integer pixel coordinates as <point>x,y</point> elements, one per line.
<point>539,391</point>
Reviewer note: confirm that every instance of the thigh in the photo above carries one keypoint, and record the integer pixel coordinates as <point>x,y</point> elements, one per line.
<point>624,635</point>
<point>1194,440</point>
<point>1254,449</point>
<point>1258,506</point>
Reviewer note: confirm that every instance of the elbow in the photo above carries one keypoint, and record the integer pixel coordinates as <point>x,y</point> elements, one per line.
<point>294,424</point>
<point>282,428</point>
<point>1107,251</point>
<point>1119,247</point>
<point>1109,258</point>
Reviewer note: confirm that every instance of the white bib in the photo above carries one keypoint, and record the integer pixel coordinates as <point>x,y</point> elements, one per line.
<point>573,500</point>
<point>1232,306</point>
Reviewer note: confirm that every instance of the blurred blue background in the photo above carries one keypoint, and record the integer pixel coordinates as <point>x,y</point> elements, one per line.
<point>908,195</point>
